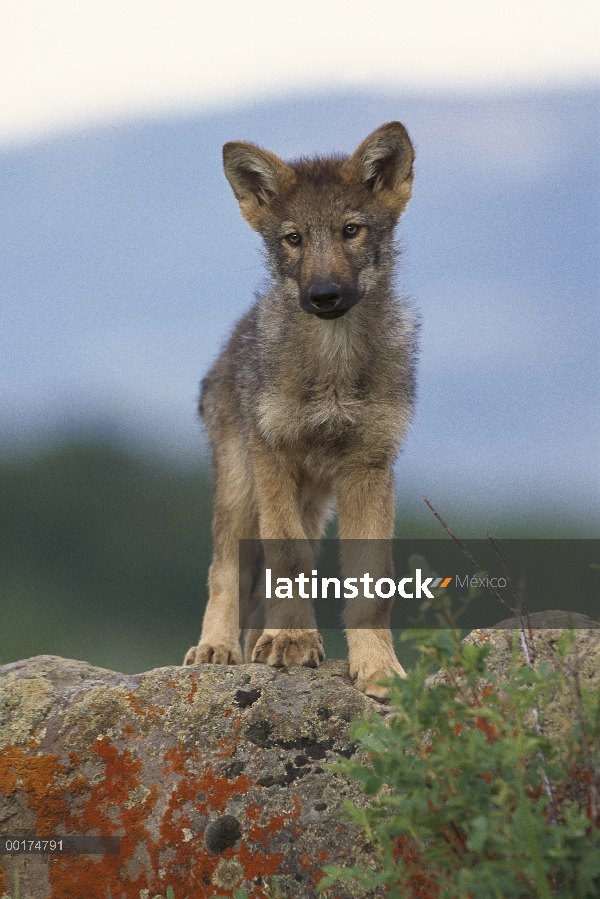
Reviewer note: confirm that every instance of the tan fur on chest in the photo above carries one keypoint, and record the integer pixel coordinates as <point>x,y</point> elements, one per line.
<point>317,397</point>
<point>288,418</point>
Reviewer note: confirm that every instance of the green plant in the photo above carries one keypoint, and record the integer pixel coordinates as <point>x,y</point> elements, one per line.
<point>469,798</point>
<point>272,891</point>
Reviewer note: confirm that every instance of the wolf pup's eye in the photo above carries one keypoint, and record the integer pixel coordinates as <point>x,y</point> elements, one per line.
<point>293,238</point>
<point>351,229</point>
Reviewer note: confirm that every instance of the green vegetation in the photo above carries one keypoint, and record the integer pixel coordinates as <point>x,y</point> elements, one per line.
<point>469,799</point>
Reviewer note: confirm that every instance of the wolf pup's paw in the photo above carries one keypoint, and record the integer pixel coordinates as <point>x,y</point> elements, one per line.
<point>217,654</point>
<point>285,648</point>
<point>368,681</point>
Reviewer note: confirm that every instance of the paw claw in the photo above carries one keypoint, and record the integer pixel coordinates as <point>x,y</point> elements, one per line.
<point>369,682</point>
<point>209,654</point>
<point>282,649</point>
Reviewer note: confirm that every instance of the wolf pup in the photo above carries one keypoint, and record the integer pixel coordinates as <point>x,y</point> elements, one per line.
<point>311,398</point>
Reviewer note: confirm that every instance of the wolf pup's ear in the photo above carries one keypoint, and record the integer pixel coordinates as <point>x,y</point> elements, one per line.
<point>256,177</point>
<point>384,162</point>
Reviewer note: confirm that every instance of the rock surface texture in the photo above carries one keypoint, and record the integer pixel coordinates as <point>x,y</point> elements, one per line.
<point>213,777</point>
<point>547,628</point>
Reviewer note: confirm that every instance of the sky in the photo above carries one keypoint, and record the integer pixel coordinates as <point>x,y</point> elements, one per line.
<point>124,262</point>
<point>71,63</point>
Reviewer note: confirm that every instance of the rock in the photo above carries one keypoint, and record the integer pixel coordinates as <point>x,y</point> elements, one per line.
<point>547,628</point>
<point>214,777</point>
<point>553,619</point>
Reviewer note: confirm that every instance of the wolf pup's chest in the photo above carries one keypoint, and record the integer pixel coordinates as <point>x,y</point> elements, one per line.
<point>317,412</point>
<point>330,405</point>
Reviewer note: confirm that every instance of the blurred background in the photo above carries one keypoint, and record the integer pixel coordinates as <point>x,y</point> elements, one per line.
<point>124,264</point>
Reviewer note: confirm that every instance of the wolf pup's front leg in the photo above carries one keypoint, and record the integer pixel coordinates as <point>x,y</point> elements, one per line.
<point>290,635</point>
<point>234,518</point>
<point>366,519</point>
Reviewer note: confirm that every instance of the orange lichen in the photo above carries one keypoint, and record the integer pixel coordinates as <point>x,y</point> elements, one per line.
<point>77,785</point>
<point>227,745</point>
<point>257,864</point>
<point>82,877</point>
<point>36,776</point>
<point>421,882</point>
<point>72,877</point>
<point>120,772</point>
<point>142,708</point>
<point>262,833</point>
<point>191,866</point>
<point>156,852</point>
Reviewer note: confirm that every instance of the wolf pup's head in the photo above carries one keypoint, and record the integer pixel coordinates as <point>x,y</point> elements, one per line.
<point>327,222</point>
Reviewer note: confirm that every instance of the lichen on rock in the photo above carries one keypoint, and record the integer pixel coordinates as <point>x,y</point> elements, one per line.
<point>214,777</point>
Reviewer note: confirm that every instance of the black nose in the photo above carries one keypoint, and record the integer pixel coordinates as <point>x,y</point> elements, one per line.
<point>325,297</point>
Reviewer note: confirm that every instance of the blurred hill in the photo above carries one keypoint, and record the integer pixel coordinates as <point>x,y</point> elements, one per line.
<point>104,555</point>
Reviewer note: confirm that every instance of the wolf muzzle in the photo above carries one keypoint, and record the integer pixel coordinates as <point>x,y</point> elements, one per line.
<point>327,300</point>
